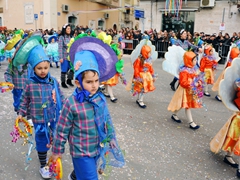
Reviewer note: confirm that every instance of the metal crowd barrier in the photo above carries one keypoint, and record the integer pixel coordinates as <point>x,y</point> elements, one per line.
<point>130,45</point>
<point>222,52</point>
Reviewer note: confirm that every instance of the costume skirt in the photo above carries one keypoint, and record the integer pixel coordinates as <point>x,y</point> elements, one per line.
<point>184,98</point>
<point>209,76</point>
<point>112,81</point>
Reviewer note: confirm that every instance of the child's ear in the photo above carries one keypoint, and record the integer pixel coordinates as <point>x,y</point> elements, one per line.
<point>77,83</point>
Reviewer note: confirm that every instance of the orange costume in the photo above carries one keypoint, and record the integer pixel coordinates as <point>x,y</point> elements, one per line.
<point>234,53</point>
<point>228,138</point>
<point>143,73</point>
<point>208,65</point>
<point>189,92</point>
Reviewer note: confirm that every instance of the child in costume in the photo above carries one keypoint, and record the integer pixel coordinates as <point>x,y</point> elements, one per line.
<point>189,93</point>
<point>228,138</point>
<point>52,50</point>
<point>232,54</point>
<point>63,41</point>
<point>114,80</point>
<point>186,45</point>
<point>85,120</point>
<point>17,75</point>
<point>143,76</point>
<point>208,65</point>
<point>43,97</point>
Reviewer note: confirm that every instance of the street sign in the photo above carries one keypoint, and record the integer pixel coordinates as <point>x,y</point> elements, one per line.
<point>138,13</point>
<point>222,27</point>
<point>35,16</point>
<point>59,14</point>
<point>41,12</point>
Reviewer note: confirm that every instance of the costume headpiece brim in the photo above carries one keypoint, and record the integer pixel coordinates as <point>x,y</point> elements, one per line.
<point>226,86</point>
<point>173,60</point>
<point>21,54</point>
<point>105,56</point>
<point>12,42</point>
<point>52,37</point>
<point>137,51</point>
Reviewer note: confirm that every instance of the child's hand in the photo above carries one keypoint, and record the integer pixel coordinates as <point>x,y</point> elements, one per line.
<point>55,157</point>
<point>11,87</point>
<point>19,117</point>
<point>61,60</point>
<point>113,144</point>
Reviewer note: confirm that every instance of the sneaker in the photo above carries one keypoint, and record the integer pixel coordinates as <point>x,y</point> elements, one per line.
<point>30,122</point>
<point>45,173</point>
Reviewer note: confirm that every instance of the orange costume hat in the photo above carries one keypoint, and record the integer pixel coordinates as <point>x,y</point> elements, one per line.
<point>188,57</point>
<point>145,51</point>
<point>234,52</point>
<point>207,50</point>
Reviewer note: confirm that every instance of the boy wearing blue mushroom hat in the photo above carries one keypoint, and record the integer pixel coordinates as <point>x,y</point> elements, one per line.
<point>85,120</point>
<point>44,98</point>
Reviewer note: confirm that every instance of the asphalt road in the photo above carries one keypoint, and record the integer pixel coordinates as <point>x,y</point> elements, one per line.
<point>155,147</point>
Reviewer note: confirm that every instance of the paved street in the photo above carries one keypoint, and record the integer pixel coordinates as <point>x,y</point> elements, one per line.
<point>155,146</point>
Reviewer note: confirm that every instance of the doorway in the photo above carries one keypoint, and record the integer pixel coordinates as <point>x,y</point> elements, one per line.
<point>184,20</point>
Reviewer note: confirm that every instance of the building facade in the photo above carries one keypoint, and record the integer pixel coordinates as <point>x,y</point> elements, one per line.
<point>218,15</point>
<point>47,14</point>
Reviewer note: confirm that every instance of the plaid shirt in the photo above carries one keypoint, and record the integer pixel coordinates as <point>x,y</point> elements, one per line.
<point>76,124</point>
<point>33,96</point>
<point>62,46</point>
<point>13,76</point>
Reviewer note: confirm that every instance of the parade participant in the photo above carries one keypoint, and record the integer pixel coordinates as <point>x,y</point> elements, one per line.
<point>186,45</point>
<point>189,93</point>
<point>43,97</point>
<point>17,75</point>
<point>63,40</point>
<point>228,138</point>
<point>114,80</point>
<point>208,64</point>
<point>85,114</point>
<point>143,72</point>
<point>52,50</point>
<point>232,54</point>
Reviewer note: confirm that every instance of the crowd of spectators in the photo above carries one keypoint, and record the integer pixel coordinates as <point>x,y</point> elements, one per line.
<point>155,36</point>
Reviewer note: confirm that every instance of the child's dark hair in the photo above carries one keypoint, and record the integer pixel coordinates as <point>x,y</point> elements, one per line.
<point>85,72</point>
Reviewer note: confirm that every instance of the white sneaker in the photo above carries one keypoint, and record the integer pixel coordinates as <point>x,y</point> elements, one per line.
<point>30,122</point>
<point>69,176</point>
<point>45,172</point>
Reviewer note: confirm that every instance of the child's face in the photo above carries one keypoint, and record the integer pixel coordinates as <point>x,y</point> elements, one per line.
<point>194,61</point>
<point>53,40</point>
<point>149,54</point>
<point>90,82</point>
<point>211,52</point>
<point>42,69</point>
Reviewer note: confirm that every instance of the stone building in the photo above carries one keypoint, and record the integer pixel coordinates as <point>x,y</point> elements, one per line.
<point>212,17</point>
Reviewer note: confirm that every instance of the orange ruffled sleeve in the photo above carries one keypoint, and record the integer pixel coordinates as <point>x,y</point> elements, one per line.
<point>137,69</point>
<point>203,64</point>
<point>184,79</point>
